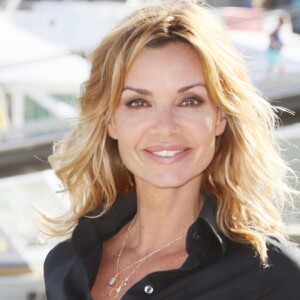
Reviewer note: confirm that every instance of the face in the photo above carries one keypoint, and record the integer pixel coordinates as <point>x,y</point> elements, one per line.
<point>166,124</point>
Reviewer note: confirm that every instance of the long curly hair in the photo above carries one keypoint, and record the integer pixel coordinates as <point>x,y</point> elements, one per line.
<point>247,175</point>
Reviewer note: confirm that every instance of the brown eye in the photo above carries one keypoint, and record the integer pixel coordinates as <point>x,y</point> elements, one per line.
<point>191,101</point>
<point>137,103</point>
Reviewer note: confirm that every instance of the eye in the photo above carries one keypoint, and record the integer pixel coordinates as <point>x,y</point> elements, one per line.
<point>137,103</point>
<point>191,101</point>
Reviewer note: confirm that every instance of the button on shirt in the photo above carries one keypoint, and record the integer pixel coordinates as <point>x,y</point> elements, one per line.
<point>216,267</point>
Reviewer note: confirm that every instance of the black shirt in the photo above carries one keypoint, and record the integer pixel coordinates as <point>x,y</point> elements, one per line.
<point>216,268</point>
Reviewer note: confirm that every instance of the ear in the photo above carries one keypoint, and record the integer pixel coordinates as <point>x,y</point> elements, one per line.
<point>221,122</point>
<point>112,129</point>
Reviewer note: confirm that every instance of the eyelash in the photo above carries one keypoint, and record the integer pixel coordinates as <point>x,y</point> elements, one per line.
<point>139,103</point>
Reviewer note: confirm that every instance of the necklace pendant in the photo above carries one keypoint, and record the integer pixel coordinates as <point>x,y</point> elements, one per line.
<point>114,293</point>
<point>112,281</point>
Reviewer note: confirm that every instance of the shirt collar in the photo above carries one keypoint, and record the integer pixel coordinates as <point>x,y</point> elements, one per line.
<point>208,215</point>
<point>92,229</point>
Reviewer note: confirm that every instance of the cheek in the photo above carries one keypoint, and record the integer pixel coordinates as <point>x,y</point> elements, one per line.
<point>208,124</point>
<point>205,126</point>
<point>128,140</point>
<point>125,152</point>
<point>206,136</point>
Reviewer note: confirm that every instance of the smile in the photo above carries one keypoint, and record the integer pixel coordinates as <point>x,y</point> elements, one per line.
<point>167,153</point>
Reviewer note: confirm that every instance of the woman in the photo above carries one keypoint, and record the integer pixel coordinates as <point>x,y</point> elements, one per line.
<point>173,173</point>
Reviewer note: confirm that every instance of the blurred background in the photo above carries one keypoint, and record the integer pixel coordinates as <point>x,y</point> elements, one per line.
<point>44,50</point>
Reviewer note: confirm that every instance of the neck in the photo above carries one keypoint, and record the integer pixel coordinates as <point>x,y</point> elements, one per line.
<point>164,214</point>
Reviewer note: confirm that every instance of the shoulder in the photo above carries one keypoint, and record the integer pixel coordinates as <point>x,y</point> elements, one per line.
<point>56,267</point>
<point>62,253</point>
<point>280,279</point>
<point>284,255</point>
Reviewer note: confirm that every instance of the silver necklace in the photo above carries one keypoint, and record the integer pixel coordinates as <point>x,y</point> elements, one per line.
<point>113,282</point>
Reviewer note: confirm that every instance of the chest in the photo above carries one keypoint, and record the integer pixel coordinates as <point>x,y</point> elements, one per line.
<point>131,270</point>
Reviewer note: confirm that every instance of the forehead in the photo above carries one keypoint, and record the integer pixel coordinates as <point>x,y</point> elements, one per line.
<point>176,60</point>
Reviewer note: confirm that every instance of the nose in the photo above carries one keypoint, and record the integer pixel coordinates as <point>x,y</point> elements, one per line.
<point>165,122</point>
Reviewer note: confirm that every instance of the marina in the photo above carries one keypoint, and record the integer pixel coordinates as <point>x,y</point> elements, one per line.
<point>43,63</point>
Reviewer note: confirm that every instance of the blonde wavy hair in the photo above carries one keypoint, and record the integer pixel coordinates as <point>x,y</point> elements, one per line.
<point>247,174</point>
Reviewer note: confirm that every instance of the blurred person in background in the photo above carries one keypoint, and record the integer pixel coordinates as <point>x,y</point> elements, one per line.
<point>174,176</point>
<point>274,51</point>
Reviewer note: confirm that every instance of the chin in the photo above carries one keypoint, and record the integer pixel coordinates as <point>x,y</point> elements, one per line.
<point>171,183</point>
<point>164,180</point>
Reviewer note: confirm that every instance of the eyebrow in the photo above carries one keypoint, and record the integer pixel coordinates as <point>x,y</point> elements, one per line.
<point>146,92</point>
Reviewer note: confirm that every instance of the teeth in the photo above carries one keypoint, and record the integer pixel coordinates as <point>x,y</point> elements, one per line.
<point>167,153</point>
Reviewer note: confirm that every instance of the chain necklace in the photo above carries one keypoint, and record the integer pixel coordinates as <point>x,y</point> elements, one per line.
<point>115,291</point>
